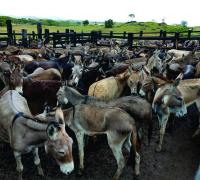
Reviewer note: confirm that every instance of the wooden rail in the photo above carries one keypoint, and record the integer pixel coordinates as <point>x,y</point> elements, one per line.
<point>60,39</point>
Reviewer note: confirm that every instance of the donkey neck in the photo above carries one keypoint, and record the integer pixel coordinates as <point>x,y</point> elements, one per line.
<point>74,97</point>
<point>69,115</point>
<point>34,132</point>
<point>4,90</point>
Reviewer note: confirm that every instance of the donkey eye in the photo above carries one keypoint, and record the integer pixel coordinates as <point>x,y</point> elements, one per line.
<point>61,153</point>
<point>179,98</point>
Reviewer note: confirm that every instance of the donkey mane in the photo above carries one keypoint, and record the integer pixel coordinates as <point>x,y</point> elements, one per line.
<point>84,98</point>
<point>163,78</point>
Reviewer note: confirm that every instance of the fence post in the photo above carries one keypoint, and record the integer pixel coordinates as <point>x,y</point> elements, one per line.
<point>164,34</point>
<point>176,39</point>
<point>141,34</point>
<point>99,35</point>
<point>124,35</point>
<point>33,35</point>
<point>46,36</point>
<point>130,41</point>
<point>161,33</point>
<point>81,38</point>
<point>67,36</point>
<point>24,38</point>
<point>93,37</point>
<point>71,32</point>
<point>189,33</point>
<point>9,32</point>
<point>14,38</point>
<point>54,40</point>
<point>111,34</point>
<point>39,30</point>
<point>74,39</point>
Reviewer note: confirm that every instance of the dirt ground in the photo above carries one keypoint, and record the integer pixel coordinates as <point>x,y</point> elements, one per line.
<point>178,160</point>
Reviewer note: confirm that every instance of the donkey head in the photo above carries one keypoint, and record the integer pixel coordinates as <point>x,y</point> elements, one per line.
<point>168,99</point>
<point>59,144</point>
<point>5,72</point>
<point>77,72</point>
<point>16,80</point>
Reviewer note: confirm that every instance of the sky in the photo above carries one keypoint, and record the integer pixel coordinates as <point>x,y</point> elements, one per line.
<point>172,11</point>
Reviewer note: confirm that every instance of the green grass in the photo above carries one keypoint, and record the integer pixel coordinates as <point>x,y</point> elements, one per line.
<point>118,28</point>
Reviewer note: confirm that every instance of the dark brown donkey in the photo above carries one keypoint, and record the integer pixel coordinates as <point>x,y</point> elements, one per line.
<point>118,125</point>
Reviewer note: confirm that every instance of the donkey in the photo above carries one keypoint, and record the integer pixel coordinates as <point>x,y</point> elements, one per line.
<point>136,78</point>
<point>150,85</point>
<point>110,88</point>
<point>174,98</point>
<point>118,125</point>
<point>137,107</point>
<point>5,71</point>
<point>13,82</point>
<point>26,133</point>
<point>48,74</point>
<point>83,77</point>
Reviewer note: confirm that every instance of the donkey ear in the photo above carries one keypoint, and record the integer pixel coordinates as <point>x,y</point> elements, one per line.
<point>52,130</point>
<point>154,71</point>
<point>130,70</point>
<point>59,116</point>
<point>176,82</point>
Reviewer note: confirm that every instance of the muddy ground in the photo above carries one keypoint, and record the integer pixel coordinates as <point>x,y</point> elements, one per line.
<point>178,160</point>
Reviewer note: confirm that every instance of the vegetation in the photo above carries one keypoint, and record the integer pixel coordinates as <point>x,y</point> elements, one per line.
<point>132,16</point>
<point>30,25</point>
<point>85,23</point>
<point>184,23</point>
<point>109,23</point>
<point>29,21</point>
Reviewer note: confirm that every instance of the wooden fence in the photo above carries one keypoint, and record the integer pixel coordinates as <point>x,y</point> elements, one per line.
<point>60,39</point>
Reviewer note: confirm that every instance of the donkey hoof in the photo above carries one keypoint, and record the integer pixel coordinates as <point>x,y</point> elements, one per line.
<point>136,177</point>
<point>158,149</point>
<point>20,176</point>
<point>80,172</point>
<point>40,172</point>
<point>115,177</point>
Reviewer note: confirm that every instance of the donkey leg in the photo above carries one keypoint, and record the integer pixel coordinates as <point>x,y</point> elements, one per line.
<point>127,143</point>
<point>163,124</point>
<point>197,132</point>
<point>136,149</point>
<point>80,140</point>
<point>20,167</point>
<point>116,144</point>
<point>37,162</point>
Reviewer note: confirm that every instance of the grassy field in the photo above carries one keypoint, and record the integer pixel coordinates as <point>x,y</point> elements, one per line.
<point>118,27</point>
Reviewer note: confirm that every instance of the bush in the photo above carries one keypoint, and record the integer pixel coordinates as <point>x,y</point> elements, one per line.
<point>184,23</point>
<point>85,23</point>
<point>109,23</point>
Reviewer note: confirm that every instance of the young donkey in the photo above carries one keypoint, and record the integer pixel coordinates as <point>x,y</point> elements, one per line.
<point>174,98</point>
<point>118,125</point>
<point>26,133</point>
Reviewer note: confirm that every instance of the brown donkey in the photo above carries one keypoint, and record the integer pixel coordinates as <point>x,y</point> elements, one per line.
<point>119,127</point>
<point>26,133</point>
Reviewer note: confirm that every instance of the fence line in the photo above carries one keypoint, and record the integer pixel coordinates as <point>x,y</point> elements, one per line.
<point>69,36</point>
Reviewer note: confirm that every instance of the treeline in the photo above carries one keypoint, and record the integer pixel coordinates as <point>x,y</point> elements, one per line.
<point>47,22</point>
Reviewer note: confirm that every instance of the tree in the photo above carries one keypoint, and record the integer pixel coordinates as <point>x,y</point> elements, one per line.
<point>132,16</point>
<point>85,23</point>
<point>109,23</point>
<point>184,23</point>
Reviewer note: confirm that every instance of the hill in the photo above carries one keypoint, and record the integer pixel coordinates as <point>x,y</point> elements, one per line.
<point>61,25</point>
